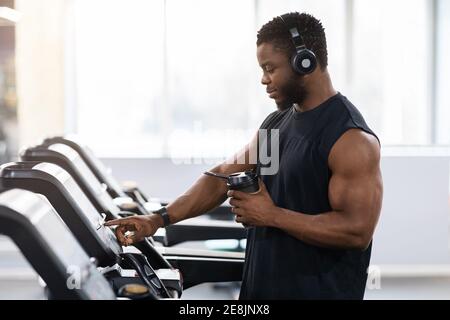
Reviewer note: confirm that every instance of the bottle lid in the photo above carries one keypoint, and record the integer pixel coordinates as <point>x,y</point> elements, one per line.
<point>242,179</point>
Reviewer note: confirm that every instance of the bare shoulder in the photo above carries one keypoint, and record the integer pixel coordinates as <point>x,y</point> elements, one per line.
<point>355,151</point>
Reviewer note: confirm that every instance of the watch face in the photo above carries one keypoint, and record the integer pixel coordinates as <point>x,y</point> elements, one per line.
<point>161,210</point>
<point>163,213</point>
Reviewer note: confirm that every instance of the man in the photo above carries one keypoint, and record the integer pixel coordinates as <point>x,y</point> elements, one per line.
<point>313,220</point>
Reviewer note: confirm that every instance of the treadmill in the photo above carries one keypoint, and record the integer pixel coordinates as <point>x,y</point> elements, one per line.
<point>196,266</point>
<point>52,250</point>
<point>103,174</point>
<point>189,230</point>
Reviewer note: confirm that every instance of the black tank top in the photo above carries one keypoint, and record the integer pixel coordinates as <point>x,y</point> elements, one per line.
<point>279,266</point>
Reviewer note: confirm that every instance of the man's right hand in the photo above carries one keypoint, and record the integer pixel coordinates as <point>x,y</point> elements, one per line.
<point>134,229</point>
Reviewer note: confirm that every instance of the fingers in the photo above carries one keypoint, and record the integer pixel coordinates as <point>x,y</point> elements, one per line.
<point>129,230</point>
<point>262,186</point>
<point>134,237</point>
<point>128,237</point>
<point>113,222</point>
<point>240,219</point>
<point>236,210</point>
<point>237,194</point>
<point>236,203</point>
<point>119,222</point>
<point>120,234</point>
<point>124,227</point>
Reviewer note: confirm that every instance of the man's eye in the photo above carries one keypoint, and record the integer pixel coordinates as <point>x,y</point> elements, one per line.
<point>269,70</point>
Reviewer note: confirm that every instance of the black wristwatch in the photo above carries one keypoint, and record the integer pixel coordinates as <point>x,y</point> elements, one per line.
<point>163,213</point>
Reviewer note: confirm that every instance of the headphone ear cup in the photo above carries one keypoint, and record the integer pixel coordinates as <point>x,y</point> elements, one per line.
<point>304,62</point>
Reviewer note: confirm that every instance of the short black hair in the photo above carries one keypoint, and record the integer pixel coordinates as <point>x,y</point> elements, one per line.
<point>310,28</point>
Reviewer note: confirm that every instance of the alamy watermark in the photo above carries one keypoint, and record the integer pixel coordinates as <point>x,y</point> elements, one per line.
<point>200,144</point>
<point>373,278</point>
<point>73,282</point>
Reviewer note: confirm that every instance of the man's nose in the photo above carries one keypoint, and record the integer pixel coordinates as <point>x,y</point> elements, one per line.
<point>265,80</point>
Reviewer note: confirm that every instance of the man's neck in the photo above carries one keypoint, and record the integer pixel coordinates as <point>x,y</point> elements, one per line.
<point>321,89</point>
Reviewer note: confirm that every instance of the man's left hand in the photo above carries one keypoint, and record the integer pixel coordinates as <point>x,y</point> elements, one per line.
<point>255,209</point>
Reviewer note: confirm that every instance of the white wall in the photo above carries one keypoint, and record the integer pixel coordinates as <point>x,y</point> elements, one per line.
<point>414,223</point>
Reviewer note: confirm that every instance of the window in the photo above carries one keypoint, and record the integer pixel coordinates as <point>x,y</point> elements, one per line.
<point>212,71</point>
<point>443,73</point>
<point>172,78</point>
<point>391,68</point>
<point>119,49</point>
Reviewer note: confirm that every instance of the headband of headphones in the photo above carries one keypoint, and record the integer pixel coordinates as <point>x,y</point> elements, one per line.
<point>296,37</point>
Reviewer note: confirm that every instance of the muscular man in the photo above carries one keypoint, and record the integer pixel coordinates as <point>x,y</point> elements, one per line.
<point>312,221</point>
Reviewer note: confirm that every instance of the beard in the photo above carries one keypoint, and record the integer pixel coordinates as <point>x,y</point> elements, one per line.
<point>293,92</point>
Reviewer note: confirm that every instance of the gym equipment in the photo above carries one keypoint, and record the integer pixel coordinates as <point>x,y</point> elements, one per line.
<point>189,230</point>
<point>98,169</point>
<point>51,249</point>
<point>82,218</point>
<point>113,187</point>
<point>68,159</point>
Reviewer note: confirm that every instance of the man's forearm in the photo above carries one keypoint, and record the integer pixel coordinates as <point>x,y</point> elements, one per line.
<point>204,195</point>
<point>330,230</point>
<point>209,192</point>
